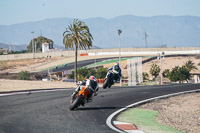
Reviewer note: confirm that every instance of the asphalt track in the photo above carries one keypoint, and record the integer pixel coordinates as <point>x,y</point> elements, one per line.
<point>48,112</point>
<point>70,66</point>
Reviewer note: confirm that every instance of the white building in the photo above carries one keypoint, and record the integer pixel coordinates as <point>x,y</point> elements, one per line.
<point>45,47</point>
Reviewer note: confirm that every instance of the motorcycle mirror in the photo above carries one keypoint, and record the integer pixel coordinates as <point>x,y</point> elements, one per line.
<point>79,83</point>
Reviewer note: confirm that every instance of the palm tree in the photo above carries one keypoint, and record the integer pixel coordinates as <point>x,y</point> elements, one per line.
<point>77,36</point>
<point>190,65</point>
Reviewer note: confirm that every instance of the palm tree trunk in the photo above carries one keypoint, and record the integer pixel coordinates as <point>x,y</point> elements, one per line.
<point>75,74</point>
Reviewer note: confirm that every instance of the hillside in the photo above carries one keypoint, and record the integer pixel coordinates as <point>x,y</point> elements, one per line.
<point>13,47</point>
<point>172,31</point>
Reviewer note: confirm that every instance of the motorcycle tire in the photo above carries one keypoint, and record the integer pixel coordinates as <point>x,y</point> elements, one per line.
<point>75,103</point>
<point>105,83</point>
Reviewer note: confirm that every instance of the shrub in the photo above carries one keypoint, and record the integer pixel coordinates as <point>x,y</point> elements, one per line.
<point>23,75</point>
<point>166,73</point>
<point>92,72</point>
<point>179,74</point>
<point>145,76</point>
<point>83,73</point>
<point>101,73</point>
<point>155,70</point>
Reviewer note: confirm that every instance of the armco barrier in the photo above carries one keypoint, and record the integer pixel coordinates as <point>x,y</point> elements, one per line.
<point>84,54</point>
<point>100,80</point>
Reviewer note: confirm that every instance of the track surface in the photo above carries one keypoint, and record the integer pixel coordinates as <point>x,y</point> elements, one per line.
<point>46,112</point>
<point>79,64</point>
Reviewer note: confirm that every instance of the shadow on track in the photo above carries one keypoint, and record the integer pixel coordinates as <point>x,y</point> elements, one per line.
<point>99,108</point>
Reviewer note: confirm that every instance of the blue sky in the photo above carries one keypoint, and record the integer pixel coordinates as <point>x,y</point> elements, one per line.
<point>19,11</point>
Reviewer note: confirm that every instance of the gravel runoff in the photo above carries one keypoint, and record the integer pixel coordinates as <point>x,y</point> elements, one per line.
<point>16,85</point>
<point>180,112</point>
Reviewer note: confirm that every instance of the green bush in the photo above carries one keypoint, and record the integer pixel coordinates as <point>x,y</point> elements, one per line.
<point>101,73</point>
<point>166,73</point>
<point>155,70</point>
<point>179,74</point>
<point>23,75</point>
<point>145,76</point>
<point>83,73</point>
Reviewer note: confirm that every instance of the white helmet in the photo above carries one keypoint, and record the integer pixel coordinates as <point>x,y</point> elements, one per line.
<point>116,64</point>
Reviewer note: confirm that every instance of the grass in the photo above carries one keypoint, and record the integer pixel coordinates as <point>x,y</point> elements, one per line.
<point>145,120</point>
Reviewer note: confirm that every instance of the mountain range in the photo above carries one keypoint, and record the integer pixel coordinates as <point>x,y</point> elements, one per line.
<point>170,31</point>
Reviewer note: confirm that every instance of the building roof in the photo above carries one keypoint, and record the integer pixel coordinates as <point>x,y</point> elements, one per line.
<point>45,43</point>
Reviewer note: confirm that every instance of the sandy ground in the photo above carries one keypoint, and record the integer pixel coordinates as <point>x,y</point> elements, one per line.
<point>14,85</point>
<point>35,65</point>
<point>180,112</point>
<point>171,62</point>
<point>167,63</point>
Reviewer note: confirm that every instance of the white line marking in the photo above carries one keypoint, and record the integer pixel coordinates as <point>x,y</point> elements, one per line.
<point>109,119</point>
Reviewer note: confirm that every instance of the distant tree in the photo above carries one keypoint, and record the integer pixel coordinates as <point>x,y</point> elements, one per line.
<point>190,65</point>
<point>18,52</point>
<point>77,36</point>
<point>155,70</point>
<point>38,41</point>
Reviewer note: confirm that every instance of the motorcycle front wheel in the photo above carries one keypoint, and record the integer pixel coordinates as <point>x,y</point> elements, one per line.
<point>75,103</point>
<point>105,83</point>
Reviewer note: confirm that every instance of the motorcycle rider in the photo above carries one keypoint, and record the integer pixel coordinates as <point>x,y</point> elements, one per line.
<point>91,84</point>
<point>117,72</point>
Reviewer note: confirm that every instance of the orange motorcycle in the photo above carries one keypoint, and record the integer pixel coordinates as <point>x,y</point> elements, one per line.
<point>80,97</point>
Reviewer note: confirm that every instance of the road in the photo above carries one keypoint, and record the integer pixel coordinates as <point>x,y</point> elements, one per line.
<point>70,66</point>
<point>46,112</point>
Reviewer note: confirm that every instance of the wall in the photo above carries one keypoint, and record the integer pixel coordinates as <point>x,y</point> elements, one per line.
<point>92,52</point>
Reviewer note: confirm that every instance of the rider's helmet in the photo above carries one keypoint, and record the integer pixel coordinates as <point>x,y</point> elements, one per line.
<point>116,66</point>
<point>92,82</point>
<point>92,78</point>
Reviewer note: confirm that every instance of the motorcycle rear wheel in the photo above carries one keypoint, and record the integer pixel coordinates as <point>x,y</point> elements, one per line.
<point>75,103</point>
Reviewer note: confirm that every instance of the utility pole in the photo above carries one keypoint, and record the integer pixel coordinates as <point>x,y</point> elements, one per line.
<point>119,32</point>
<point>10,47</point>
<point>160,56</point>
<point>33,44</point>
<point>95,57</point>
<point>145,37</point>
